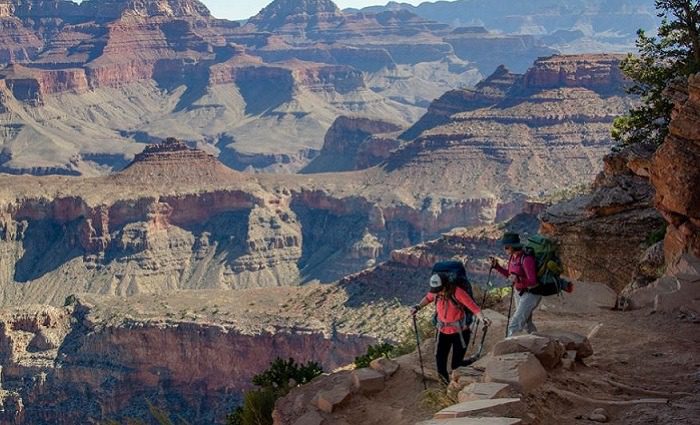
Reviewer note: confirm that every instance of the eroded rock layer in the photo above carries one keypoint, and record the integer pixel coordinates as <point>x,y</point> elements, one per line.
<point>84,363</point>
<point>177,218</point>
<point>675,175</point>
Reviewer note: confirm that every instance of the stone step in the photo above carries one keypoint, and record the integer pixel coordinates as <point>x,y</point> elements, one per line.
<point>501,406</point>
<point>484,391</point>
<point>473,421</point>
<point>521,370</point>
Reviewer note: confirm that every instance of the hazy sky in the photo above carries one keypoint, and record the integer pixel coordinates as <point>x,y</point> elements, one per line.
<point>242,9</point>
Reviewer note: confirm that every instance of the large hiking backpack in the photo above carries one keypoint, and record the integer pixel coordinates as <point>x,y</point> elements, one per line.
<point>457,274</point>
<point>549,266</point>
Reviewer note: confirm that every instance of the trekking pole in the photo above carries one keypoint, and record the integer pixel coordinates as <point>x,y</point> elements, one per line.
<point>483,301</point>
<point>476,356</point>
<point>510,307</point>
<point>420,355</point>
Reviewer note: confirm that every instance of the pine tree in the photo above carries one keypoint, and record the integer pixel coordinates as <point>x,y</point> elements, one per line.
<point>671,56</point>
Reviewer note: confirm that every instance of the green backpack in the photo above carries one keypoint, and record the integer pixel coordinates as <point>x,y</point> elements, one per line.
<point>549,266</point>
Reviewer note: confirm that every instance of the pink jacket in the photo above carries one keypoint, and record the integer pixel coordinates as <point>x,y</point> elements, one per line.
<point>524,269</point>
<point>448,312</point>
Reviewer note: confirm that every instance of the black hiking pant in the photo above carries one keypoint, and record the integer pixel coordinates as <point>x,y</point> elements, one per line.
<point>445,343</point>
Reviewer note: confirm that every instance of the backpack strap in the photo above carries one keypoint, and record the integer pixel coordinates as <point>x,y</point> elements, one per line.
<point>460,324</point>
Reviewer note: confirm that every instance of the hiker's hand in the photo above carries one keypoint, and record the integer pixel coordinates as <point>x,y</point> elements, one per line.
<point>483,318</point>
<point>494,262</point>
<point>414,310</point>
<point>512,278</point>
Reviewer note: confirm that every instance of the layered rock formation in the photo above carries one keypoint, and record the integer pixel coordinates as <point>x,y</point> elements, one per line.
<point>609,235</point>
<point>348,145</point>
<point>571,26</point>
<point>604,233</point>
<point>509,136</point>
<point>127,71</point>
<point>95,363</point>
<point>178,219</point>
<point>675,175</point>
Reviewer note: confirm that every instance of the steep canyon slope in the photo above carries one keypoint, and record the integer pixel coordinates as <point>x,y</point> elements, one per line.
<point>84,86</point>
<point>513,135</point>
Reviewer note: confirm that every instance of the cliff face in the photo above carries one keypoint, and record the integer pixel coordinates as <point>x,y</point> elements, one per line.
<point>125,72</point>
<point>606,235</point>
<point>603,234</point>
<point>178,219</point>
<point>675,175</point>
<point>344,142</point>
<point>83,367</point>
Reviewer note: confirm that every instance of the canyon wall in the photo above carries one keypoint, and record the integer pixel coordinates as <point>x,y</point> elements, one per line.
<point>675,175</point>
<point>178,219</point>
<point>67,366</point>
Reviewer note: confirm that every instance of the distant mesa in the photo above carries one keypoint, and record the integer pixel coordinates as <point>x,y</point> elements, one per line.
<point>281,13</point>
<point>172,158</point>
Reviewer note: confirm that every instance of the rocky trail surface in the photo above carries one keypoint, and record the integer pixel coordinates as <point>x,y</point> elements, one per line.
<point>636,356</point>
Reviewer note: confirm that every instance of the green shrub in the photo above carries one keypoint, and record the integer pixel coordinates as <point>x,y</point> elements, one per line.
<point>374,352</point>
<point>275,382</point>
<point>656,235</point>
<point>257,408</point>
<point>282,375</point>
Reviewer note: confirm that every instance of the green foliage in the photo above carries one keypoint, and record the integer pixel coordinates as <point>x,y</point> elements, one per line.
<point>257,408</point>
<point>656,235</point>
<point>275,382</point>
<point>282,375</point>
<point>671,56</point>
<point>374,352</point>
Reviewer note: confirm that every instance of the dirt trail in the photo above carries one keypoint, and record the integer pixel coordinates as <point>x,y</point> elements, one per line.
<point>637,356</point>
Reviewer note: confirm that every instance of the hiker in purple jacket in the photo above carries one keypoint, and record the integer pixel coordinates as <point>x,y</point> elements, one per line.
<point>522,273</point>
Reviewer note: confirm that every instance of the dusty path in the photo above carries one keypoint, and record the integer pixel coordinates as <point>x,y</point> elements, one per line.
<point>637,356</point>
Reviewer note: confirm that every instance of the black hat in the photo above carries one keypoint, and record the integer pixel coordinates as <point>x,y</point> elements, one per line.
<point>511,239</point>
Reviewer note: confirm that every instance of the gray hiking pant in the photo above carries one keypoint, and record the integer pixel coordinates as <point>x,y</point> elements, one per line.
<point>522,318</point>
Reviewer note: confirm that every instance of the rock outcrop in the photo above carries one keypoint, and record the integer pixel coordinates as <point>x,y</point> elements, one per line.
<point>603,234</point>
<point>78,363</point>
<point>675,175</point>
<point>348,145</point>
<point>483,136</point>
<point>177,218</point>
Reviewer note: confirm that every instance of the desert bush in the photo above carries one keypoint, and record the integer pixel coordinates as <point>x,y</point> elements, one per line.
<point>374,352</point>
<point>275,382</point>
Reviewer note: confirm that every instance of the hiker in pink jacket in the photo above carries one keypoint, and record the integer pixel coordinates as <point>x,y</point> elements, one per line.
<point>453,330</point>
<point>522,273</point>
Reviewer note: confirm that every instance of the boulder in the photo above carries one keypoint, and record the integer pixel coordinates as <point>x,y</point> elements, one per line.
<point>367,380</point>
<point>484,391</point>
<point>499,407</point>
<point>571,341</point>
<point>645,297</point>
<point>328,400</point>
<point>568,362</point>
<point>385,366</point>
<point>587,297</point>
<point>547,351</point>
<point>678,290</point>
<point>473,421</point>
<point>521,370</point>
<point>310,418</point>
